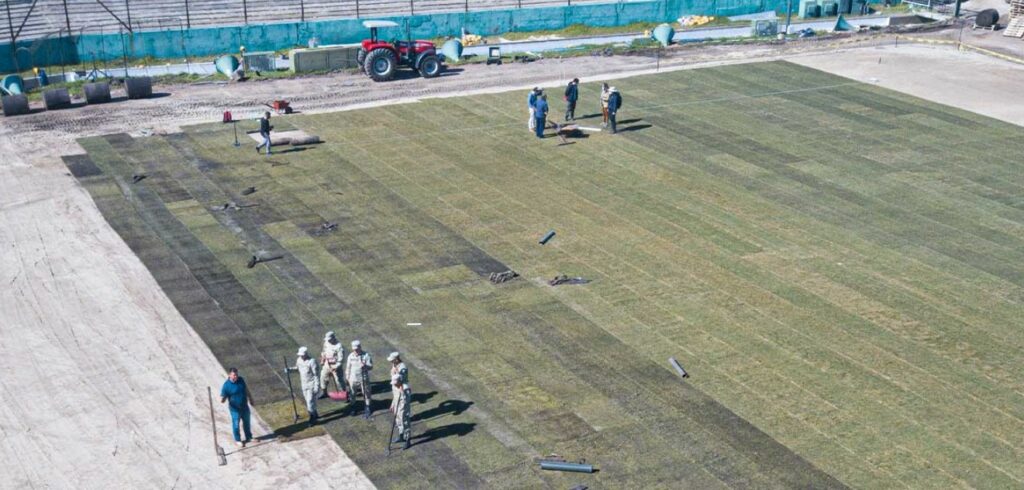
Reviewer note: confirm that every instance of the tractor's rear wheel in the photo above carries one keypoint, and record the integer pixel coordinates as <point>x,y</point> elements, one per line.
<point>380,64</point>
<point>430,66</point>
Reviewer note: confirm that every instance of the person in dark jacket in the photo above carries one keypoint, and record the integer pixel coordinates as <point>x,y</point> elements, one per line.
<point>265,129</point>
<point>540,114</point>
<point>614,104</point>
<point>236,394</point>
<point>572,93</point>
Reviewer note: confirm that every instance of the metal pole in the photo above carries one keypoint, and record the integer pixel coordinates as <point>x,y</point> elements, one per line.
<point>956,13</point>
<point>789,17</point>
<point>67,18</point>
<point>124,53</point>
<point>245,11</point>
<point>357,9</point>
<point>221,459</point>
<point>302,10</point>
<point>10,26</point>
<point>467,6</point>
<point>412,11</point>
<point>188,16</point>
<point>128,8</point>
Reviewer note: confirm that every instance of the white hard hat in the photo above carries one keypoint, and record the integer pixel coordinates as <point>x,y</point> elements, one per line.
<point>356,343</point>
<point>302,351</point>
<point>613,89</point>
<point>329,335</point>
<point>396,379</point>
<point>392,356</point>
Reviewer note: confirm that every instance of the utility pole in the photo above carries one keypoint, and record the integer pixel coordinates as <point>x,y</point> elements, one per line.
<point>789,16</point>
<point>956,13</point>
<point>67,18</point>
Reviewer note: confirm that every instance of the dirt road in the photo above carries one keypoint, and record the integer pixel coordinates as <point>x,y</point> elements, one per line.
<point>104,384</point>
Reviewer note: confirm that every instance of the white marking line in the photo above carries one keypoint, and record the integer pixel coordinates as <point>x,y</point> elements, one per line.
<point>413,324</point>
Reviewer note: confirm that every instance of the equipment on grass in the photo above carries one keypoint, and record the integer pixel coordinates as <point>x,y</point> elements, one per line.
<point>547,237</point>
<point>139,87</point>
<point>222,458</point>
<point>500,277</point>
<point>97,93</point>
<point>259,260</point>
<point>986,19</point>
<point>15,105</point>
<point>843,26</point>
<point>248,190</point>
<point>663,34</point>
<point>564,279</point>
<point>138,178</point>
<point>12,85</point>
<point>494,55</point>
<point>452,49</point>
<point>288,375</point>
<point>57,98</point>
<point>380,59</point>
<point>678,367</point>
<point>338,396</point>
<point>226,65</point>
<point>555,465</point>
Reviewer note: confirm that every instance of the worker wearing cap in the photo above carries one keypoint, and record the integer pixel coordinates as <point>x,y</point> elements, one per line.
<point>397,367</point>
<point>531,102</point>
<point>572,94</point>
<point>306,367</point>
<point>357,370</point>
<point>614,104</point>
<point>332,358</point>
<point>540,115</point>
<point>401,407</point>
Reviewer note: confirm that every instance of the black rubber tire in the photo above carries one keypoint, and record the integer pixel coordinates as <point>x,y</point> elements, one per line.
<point>360,57</point>
<point>430,66</point>
<point>380,64</point>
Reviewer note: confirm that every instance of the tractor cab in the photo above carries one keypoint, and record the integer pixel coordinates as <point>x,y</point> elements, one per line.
<point>379,58</point>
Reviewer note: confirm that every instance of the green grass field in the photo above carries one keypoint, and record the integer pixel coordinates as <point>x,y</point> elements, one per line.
<point>838,266</point>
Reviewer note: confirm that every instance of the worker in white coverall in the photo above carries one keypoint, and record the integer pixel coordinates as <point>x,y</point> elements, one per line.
<point>357,372</point>
<point>307,369</point>
<point>332,358</point>
<point>401,407</point>
<point>397,367</point>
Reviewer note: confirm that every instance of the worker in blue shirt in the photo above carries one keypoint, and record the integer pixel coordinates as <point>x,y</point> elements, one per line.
<point>236,394</point>
<point>531,102</point>
<point>540,114</point>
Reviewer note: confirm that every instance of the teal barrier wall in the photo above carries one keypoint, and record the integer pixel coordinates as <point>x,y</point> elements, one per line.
<point>206,41</point>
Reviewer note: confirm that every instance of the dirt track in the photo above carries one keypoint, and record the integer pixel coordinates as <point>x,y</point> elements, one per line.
<point>105,382</point>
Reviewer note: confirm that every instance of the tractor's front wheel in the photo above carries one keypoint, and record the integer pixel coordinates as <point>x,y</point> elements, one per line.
<point>430,66</point>
<point>380,64</point>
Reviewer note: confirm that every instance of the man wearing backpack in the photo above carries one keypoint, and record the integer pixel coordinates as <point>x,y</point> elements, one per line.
<point>614,103</point>
<point>572,93</point>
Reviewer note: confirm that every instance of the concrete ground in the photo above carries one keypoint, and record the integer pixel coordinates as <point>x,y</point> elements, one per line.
<point>939,73</point>
<point>104,383</point>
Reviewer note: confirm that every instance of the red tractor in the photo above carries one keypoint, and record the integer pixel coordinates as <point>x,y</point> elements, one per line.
<point>379,59</point>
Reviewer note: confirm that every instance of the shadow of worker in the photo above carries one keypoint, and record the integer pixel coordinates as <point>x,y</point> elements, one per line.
<point>447,407</point>
<point>458,430</point>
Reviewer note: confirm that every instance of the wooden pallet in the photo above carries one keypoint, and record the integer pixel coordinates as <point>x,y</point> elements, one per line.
<point>1015,28</point>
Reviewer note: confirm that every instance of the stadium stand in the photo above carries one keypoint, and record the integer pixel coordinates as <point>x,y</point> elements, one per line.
<point>42,18</point>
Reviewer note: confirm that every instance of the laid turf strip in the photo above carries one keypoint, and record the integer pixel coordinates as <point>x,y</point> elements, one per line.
<point>838,266</point>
